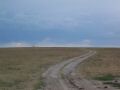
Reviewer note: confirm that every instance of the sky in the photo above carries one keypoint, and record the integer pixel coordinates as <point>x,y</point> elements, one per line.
<point>52,23</point>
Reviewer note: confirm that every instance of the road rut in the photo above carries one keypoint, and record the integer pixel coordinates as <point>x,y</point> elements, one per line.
<point>56,76</point>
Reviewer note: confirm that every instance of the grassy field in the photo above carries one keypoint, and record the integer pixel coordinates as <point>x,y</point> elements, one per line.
<point>21,68</point>
<point>105,62</point>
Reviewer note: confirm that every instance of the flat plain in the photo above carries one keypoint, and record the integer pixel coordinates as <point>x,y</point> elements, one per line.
<point>21,68</point>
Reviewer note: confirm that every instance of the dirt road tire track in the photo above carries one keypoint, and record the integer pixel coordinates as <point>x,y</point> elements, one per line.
<point>54,79</point>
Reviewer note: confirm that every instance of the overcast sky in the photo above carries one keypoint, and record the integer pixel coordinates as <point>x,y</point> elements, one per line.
<point>60,23</point>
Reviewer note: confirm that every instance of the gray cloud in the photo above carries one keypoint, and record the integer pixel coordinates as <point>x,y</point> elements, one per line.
<point>60,13</point>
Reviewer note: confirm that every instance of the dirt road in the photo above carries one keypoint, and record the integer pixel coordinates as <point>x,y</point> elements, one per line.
<point>57,77</point>
<point>54,75</point>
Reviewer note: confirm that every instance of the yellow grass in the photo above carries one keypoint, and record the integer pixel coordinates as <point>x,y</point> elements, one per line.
<point>106,61</point>
<point>21,68</point>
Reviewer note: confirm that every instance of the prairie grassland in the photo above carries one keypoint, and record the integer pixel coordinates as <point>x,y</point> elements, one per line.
<point>21,68</point>
<point>105,63</point>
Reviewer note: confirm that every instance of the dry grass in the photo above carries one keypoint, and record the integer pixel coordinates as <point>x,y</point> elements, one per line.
<point>105,62</point>
<point>21,68</point>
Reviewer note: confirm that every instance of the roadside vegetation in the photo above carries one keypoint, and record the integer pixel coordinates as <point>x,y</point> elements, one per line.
<point>105,78</point>
<point>109,80</point>
<point>104,66</point>
<point>21,68</point>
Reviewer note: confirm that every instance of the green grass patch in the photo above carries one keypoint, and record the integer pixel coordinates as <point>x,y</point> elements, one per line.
<point>108,77</point>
